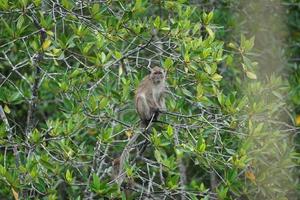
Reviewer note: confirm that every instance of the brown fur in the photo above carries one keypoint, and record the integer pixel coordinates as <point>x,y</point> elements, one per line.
<point>149,98</point>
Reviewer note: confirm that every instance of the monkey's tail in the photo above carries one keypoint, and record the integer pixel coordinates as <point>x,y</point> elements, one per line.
<point>124,158</point>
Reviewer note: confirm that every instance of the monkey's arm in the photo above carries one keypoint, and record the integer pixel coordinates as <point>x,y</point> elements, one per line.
<point>162,103</point>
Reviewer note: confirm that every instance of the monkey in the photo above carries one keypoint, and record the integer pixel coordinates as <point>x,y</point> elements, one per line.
<point>149,101</point>
<point>150,96</point>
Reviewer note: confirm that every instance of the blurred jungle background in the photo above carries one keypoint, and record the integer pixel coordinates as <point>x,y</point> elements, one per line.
<point>68,74</point>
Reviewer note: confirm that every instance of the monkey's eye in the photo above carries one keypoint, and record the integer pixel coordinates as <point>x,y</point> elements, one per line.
<point>157,72</point>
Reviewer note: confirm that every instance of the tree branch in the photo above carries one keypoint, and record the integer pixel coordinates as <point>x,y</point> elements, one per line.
<point>8,129</point>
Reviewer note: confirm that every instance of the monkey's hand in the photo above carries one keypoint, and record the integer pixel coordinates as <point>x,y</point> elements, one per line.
<point>157,110</point>
<point>162,110</point>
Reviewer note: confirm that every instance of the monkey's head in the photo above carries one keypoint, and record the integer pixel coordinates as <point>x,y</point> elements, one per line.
<point>157,75</point>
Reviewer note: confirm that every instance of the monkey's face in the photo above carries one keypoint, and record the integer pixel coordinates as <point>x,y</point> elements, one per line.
<point>157,75</point>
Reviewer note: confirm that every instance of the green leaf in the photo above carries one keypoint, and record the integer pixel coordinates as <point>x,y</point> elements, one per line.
<point>168,63</point>
<point>8,28</point>
<point>209,16</point>
<point>232,45</point>
<point>210,32</point>
<point>206,52</point>
<point>3,132</point>
<point>200,91</point>
<point>6,109</point>
<point>95,185</point>
<point>165,28</point>
<point>216,77</point>
<point>173,182</point>
<point>222,192</point>
<point>68,4</point>
<point>156,22</point>
<point>103,57</point>
<point>207,68</point>
<point>75,73</point>
<point>103,103</point>
<point>95,9</point>
<point>213,68</point>
<point>20,22</point>
<point>2,170</point>
<point>37,2</point>
<point>87,47</point>
<point>35,136</point>
<point>46,44</point>
<point>170,131</point>
<point>69,177</point>
<point>201,146</point>
<point>118,55</point>
<point>4,4</point>
<point>157,156</point>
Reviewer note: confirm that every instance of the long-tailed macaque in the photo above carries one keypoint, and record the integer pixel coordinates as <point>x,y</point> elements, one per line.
<point>150,98</point>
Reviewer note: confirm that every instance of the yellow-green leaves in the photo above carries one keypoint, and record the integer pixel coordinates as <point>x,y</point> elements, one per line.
<point>86,48</point>
<point>96,11</point>
<point>96,185</point>
<point>210,69</point>
<point>139,7</point>
<point>118,55</point>
<point>173,182</point>
<point>206,52</point>
<point>233,45</point>
<point>210,32</point>
<point>157,155</point>
<point>200,91</point>
<point>239,159</point>
<point>201,145</point>
<point>168,63</point>
<point>216,77</point>
<point>37,2</point>
<point>46,44</point>
<point>160,24</point>
<point>20,22</point>
<point>170,131</point>
<point>207,17</point>
<point>69,177</point>
<point>4,5</point>
<point>103,102</point>
<point>35,136</point>
<point>156,22</point>
<point>6,109</point>
<point>68,4</point>
<point>103,57</point>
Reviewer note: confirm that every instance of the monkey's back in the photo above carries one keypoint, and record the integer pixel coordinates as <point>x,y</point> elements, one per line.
<point>145,90</point>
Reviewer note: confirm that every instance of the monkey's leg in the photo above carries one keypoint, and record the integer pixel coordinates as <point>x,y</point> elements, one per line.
<point>143,109</point>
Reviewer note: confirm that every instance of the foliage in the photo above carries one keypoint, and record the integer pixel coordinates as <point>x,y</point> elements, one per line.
<point>69,70</point>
